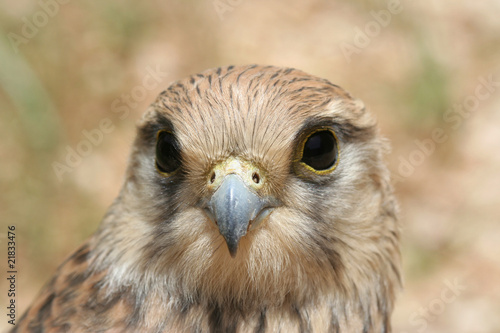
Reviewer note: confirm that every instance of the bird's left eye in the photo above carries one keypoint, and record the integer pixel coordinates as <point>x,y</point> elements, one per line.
<point>320,151</point>
<point>168,157</point>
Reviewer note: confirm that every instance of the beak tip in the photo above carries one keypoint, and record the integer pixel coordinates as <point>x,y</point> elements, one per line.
<point>232,247</point>
<point>233,207</point>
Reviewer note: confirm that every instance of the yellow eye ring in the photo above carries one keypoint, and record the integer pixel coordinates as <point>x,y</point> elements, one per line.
<point>318,152</point>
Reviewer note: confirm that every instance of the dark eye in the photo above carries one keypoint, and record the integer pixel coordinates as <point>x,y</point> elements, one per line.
<point>320,150</point>
<point>168,157</point>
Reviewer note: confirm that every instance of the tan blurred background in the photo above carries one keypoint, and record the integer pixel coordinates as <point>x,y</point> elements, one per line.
<point>430,71</point>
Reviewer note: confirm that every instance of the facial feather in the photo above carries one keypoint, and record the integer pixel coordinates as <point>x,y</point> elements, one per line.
<point>328,228</point>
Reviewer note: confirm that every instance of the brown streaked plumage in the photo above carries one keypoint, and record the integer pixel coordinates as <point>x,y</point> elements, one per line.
<point>182,248</point>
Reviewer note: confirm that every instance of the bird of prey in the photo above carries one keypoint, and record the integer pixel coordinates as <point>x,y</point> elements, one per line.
<point>256,199</point>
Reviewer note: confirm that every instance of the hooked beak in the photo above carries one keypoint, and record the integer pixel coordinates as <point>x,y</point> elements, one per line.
<point>235,209</point>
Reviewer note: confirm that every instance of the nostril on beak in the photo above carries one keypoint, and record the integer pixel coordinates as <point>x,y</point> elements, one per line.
<point>256,178</point>
<point>212,178</point>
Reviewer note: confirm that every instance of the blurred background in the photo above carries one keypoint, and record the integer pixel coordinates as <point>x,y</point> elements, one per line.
<point>76,76</point>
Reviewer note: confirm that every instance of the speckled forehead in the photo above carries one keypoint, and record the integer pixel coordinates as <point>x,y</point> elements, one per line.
<point>235,98</point>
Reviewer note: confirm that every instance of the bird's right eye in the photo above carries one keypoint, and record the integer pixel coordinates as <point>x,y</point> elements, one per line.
<point>168,157</point>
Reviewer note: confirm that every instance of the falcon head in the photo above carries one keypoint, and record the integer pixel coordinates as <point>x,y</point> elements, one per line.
<point>256,186</point>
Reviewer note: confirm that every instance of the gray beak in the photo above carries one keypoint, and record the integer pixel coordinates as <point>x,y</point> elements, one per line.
<point>234,207</point>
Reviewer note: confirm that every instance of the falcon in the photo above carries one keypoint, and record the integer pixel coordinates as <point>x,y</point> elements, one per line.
<point>256,199</point>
